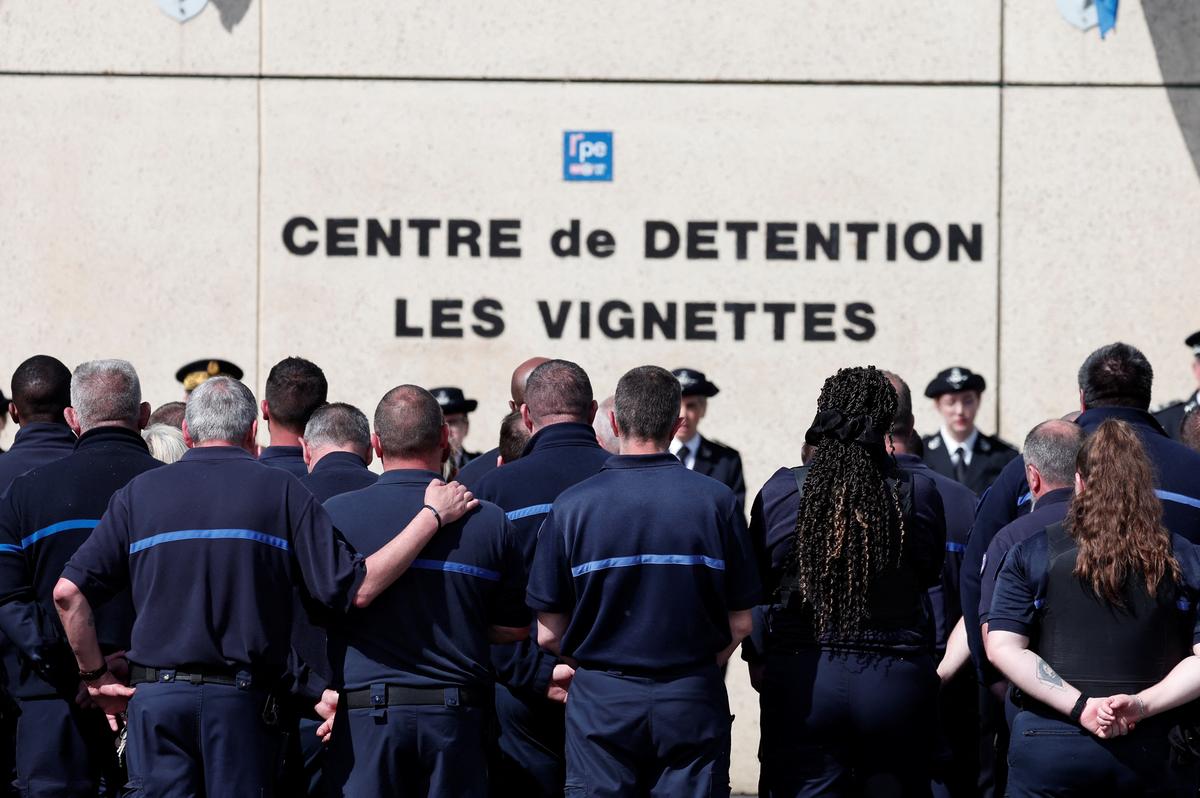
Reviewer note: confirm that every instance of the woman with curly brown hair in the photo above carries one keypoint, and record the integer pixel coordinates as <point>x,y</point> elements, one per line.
<point>1101,604</point>
<point>848,545</point>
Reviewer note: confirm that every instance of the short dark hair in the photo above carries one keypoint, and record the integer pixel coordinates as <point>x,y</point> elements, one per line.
<point>647,403</point>
<point>295,388</point>
<point>338,424</point>
<point>1052,447</point>
<point>1117,375</point>
<point>902,425</point>
<point>170,414</point>
<point>41,389</point>
<point>1189,429</point>
<point>513,436</point>
<point>408,422</point>
<point>558,388</point>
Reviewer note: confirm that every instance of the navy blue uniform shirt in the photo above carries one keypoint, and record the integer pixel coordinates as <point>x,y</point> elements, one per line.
<point>1016,602</point>
<point>338,472</point>
<point>1050,509</point>
<point>212,547</point>
<point>430,628</point>
<point>35,444</point>
<point>46,515</point>
<point>557,457</point>
<point>958,502</point>
<point>472,472</point>
<point>288,458</point>
<point>898,609</point>
<point>648,559</point>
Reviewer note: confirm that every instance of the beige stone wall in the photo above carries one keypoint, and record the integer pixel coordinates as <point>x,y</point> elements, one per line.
<point>148,168</point>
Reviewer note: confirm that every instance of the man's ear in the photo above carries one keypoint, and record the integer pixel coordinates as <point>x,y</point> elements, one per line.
<point>187,436</point>
<point>678,423</point>
<point>376,446</point>
<point>1082,406</point>
<point>144,415</point>
<point>305,452</point>
<point>72,418</point>
<point>250,444</point>
<point>265,410</point>
<point>592,411</point>
<point>445,441</point>
<point>526,418</point>
<point>612,420</point>
<point>13,414</point>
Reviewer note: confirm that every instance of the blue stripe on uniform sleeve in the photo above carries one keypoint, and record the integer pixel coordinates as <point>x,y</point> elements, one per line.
<point>648,559</point>
<point>208,534</point>
<point>957,548</point>
<point>1178,498</point>
<point>9,548</point>
<point>457,568</point>
<point>61,526</point>
<point>525,512</point>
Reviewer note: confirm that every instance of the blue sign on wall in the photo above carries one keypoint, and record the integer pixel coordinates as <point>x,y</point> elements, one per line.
<point>587,155</point>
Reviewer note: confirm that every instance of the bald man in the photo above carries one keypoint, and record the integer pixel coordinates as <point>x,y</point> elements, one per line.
<point>476,468</point>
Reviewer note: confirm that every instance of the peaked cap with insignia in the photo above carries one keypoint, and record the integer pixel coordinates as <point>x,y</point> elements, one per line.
<point>953,380</point>
<point>198,371</point>
<point>453,401</point>
<point>694,383</point>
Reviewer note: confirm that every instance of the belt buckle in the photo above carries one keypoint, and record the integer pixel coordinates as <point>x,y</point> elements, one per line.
<point>452,696</point>
<point>166,675</point>
<point>378,700</point>
<point>243,680</point>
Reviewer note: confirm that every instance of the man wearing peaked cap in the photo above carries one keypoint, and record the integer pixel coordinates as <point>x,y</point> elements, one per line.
<point>455,407</point>
<point>198,371</point>
<point>1171,416</point>
<point>700,454</point>
<point>959,450</point>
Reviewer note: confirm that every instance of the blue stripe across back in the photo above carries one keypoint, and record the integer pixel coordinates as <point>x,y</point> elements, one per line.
<point>457,568</point>
<point>1028,497</point>
<point>649,559</point>
<point>9,548</point>
<point>61,526</point>
<point>208,534</point>
<point>525,512</point>
<point>1178,498</point>
<point>957,548</point>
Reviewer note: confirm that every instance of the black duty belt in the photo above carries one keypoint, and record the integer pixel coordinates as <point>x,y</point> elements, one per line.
<point>378,696</point>
<point>243,680</point>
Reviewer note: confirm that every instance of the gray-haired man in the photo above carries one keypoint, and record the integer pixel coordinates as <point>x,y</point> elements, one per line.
<point>337,449</point>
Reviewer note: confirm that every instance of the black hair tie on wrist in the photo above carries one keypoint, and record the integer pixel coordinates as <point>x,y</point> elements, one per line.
<point>436,514</point>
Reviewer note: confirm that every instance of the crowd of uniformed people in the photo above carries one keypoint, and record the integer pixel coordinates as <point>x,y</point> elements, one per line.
<point>186,613</point>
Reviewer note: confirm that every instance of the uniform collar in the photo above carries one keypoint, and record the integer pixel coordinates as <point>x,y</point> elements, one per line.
<point>338,460</point>
<point>216,453</point>
<point>692,444</point>
<point>43,432</point>
<point>910,461</point>
<point>1056,496</point>
<point>281,451</point>
<point>567,433</point>
<point>656,460</point>
<point>952,445</point>
<point>407,476</point>
<point>1094,417</point>
<point>99,436</point>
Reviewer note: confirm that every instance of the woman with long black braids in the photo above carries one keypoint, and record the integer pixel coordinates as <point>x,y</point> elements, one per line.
<point>847,546</point>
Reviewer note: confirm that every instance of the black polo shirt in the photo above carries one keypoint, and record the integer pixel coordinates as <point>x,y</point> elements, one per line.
<point>338,472</point>
<point>35,444</point>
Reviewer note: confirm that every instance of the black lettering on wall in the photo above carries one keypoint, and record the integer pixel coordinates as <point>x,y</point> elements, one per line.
<point>665,323</point>
<point>910,241</point>
<point>859,315</point>
<point>701,238</point>
<point>390,238</point>
<point>423,226</point>
<point>445,318</point>
<point>554,326</point>
<point>339,237</point>
<point>666,250</point>
<point>739,311</point>
<point>829,244</point>
<point>624,325</point>
<point>564,242</point>
<point>818,321</point>
<point>460,233</point>
<point>959,241</point>
<point>780,241</point>
<point>403,329</point>
<point>698,321</point>
<point>289,236</point>
<point>862,234</point>
<point>741,231</point>
<point>491,323</point>
<point>779,310</point>
<point>503,232</point>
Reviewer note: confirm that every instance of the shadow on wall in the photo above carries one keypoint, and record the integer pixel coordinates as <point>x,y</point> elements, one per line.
<point>1175,29</point>
<point>232,12</point>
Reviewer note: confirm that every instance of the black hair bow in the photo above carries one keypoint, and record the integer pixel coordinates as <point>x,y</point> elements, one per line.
<point>847,429</point>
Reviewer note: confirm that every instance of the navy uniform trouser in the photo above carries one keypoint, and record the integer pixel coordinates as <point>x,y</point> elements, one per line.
<point>1054,757</point>
<point>210,740</point>
<point>531,762</point>
<point>66,751</point>
<point>848,723</point>
<point>408,751</point>
<point>629,735</point>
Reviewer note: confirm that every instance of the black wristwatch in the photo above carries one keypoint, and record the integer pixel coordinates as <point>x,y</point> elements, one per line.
<point>91,676</point>
<point>1077,710</point>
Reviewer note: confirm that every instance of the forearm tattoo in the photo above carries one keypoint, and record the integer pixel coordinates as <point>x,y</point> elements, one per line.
<point>1046,675</point>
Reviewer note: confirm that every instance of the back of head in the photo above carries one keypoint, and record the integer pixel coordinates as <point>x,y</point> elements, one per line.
<point>339,425</point>
<point>1117,375</point>
<point>1189,429</point>
<point>41,390</point>
<point>165,442</point>
<point>520,377</point>
<point>902,426</point>
<point>170,414</point>
<point>647,404</point>
<point>295,388</point>
<point>1052,448</point>
<point>408,421</point>
<point>220,409</point>
<point>849,526</point>
<point>602,424</point>
<point>1117,518</point>
<point>557,391</point>
<point>106,393</point>
<point>513,436</point>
